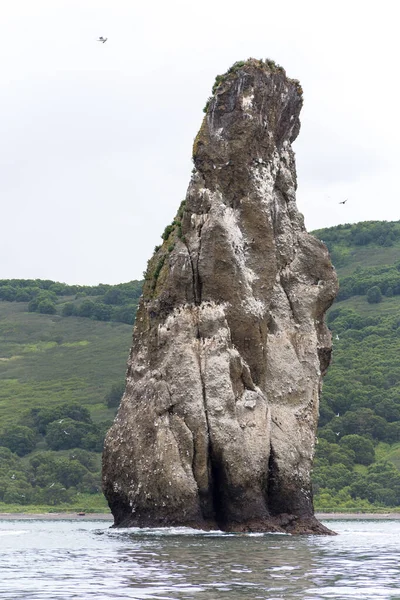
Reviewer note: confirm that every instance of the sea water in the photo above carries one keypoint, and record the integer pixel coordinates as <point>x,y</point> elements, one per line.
<point>60,560</point>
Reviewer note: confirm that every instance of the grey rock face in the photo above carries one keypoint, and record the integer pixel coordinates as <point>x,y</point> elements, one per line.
<point>217,425</point>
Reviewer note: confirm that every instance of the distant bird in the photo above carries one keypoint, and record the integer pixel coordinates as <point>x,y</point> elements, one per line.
<point>61,421</point>
<point>337,337</point>
<point>66,432</point>
<point>337,432</point>
<point>102,39</point>
<point>338,415</point>
<point>344,201</point>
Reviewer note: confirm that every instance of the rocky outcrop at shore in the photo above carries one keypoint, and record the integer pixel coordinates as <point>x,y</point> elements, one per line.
<point>217,425</point>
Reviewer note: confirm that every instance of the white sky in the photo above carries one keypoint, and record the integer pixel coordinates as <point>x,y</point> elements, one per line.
<point>96,139</point>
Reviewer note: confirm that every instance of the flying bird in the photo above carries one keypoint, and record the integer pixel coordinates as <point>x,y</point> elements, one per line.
<point>102,39</point>
<point>343,201</point>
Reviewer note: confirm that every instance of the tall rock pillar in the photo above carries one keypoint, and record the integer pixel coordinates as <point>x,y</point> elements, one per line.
<point>217,425</point>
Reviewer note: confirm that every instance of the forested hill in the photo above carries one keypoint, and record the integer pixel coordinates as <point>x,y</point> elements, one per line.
<point>63,352</point>
<point>359,432</point>
<point>101,302</point>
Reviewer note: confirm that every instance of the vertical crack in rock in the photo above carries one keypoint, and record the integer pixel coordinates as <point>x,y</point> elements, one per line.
<point>196,291</point>
<point>217,425</point>
<point>207,504</point>
<point>195,267</point>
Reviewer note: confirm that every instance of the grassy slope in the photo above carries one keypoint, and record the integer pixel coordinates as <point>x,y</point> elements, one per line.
<point>48,359</point>
<point>369,256</point>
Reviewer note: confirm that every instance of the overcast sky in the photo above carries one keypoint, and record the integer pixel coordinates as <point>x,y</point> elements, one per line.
<point>96,139</point>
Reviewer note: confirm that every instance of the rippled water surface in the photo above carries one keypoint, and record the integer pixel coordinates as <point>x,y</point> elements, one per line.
<point>59,560</point>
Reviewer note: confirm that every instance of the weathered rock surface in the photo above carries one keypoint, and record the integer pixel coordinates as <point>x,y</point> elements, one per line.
<point>217,425</point>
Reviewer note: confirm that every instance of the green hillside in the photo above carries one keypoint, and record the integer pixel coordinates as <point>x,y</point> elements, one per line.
<point>49,359</point>
<point>60,379</point>
<point>358,454</point>
<point>63,351</point>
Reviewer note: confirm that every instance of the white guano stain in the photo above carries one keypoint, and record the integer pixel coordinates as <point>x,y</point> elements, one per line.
<point>247,102</point>
<point>230,222</point>
<point>264,178</point>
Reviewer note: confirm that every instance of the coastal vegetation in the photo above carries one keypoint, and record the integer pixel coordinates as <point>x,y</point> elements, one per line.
<point>59,382</point>
<point>358,453</point>
<point>101,302</point>
<point>62,376</point>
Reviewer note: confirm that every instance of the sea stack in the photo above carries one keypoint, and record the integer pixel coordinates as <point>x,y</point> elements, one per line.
<point>217,426</point>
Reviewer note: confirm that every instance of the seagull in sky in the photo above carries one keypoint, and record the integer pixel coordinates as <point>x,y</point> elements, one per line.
<point>343,201</point>
<point>102,39</point>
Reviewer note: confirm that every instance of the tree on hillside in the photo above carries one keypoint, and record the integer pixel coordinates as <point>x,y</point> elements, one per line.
<point>361,446</point>
<point>7,292</point>
<point>374,295</point>
<point>389,409</point>
<point>23,295</point>
<point>333,477</point>
<point>68,310</point>
<point>86,309</point>
<point>113,397</point>
<point>8,459</point>
<point>39,418</point>
<point>87,459</point>
<point>69,434</point>
<point>70,472</point>
<point>125,314</point>
<point>54,495</point>
<point>114,296</point>
<point>65,434</point>
<point>363,422</point>
<point>46,307</point>
<point>42,296</point>
<point>18,439</point>
<point>102,312</point>
<point>17,492</point>
<point>381,484</point>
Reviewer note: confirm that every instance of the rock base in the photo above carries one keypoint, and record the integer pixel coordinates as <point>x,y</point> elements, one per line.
<point>283,523</point>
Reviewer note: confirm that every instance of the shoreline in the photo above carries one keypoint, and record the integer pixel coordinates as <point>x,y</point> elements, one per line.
<point>389,516</point>
<point>63,516</point>
<point>56,516</point>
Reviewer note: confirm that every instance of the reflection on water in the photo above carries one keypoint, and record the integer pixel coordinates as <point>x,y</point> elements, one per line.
<point>231,566</point>
<point>61,560</point>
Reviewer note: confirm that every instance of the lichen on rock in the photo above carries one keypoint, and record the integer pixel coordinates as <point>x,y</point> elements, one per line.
<point>217,425</point>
